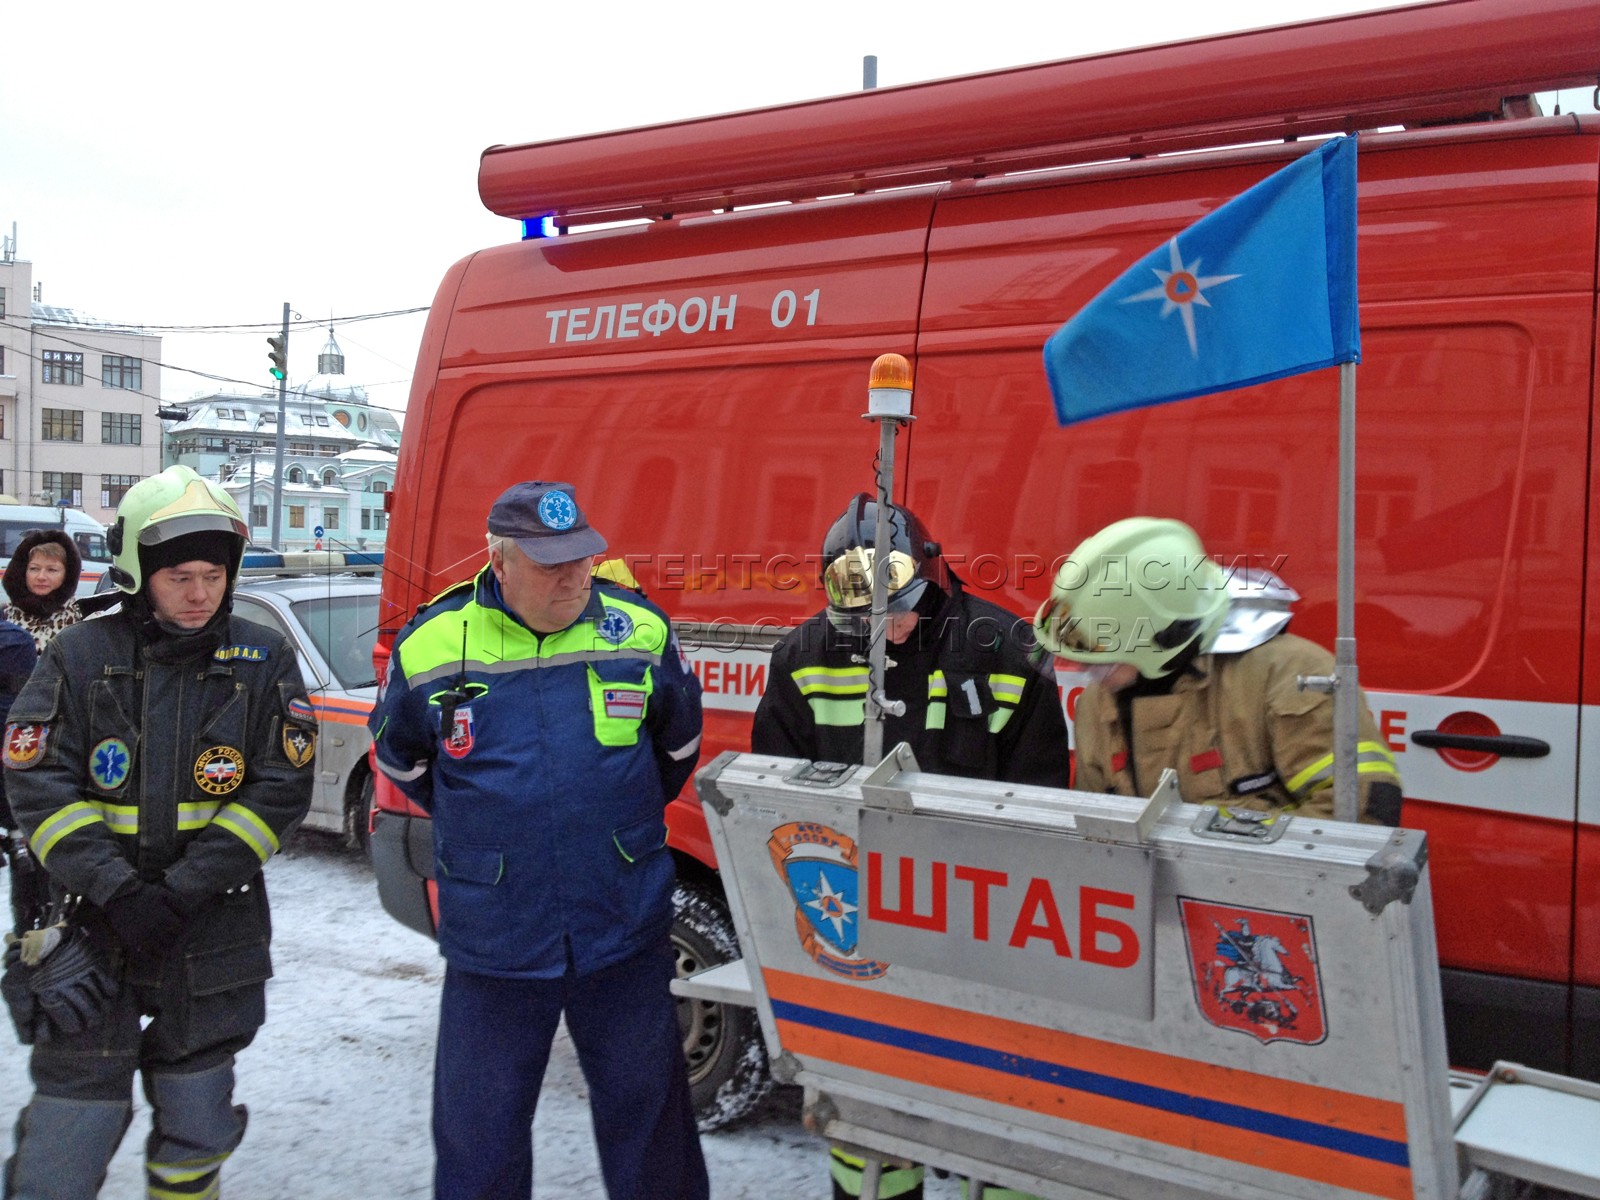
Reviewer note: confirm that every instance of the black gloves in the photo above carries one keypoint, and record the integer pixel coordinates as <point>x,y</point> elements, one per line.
<point>16,987</point>
<point>147,918</point>
<point>66,994</point>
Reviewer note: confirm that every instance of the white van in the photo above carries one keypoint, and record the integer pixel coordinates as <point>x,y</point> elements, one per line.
<point>18,520</point>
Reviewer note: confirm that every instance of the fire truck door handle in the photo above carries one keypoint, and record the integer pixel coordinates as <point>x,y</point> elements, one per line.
<point>1506,745</point>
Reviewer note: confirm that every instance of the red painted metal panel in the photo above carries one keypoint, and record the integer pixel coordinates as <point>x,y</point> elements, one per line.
<point>1428,62</point>
<point>1502,888</point>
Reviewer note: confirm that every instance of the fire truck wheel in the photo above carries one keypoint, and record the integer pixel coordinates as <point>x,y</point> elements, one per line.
<point>722,1042</point>
<point>359,816</point>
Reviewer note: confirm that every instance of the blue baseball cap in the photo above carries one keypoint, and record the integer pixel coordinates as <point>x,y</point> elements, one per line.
<point>545,522</point>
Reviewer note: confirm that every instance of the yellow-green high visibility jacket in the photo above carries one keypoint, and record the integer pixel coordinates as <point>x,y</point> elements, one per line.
<point>547,761</point>
<point>1239,732</point>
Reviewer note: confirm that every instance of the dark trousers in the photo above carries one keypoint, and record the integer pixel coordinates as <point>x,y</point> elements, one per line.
<point>494,1045</point>
<point>83,1094</point>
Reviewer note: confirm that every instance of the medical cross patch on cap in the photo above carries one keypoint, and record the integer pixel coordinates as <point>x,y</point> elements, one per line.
<point>546,522</point>
<point>557,511</point>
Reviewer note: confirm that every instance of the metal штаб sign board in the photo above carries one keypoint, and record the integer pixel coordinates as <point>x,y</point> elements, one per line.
<point>1035,912</point>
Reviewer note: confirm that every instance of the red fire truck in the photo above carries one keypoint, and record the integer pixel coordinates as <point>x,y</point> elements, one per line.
<point>686,328</point>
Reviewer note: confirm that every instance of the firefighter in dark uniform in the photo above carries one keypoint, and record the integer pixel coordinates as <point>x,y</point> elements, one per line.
<point>975,703</point>
<point>1189,675</point>
<point>155,760</point>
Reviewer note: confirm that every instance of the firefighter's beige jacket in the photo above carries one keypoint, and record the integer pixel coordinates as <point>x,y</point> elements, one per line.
<point>1236,729</point>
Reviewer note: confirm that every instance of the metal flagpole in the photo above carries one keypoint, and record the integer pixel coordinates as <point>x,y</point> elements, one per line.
<point>1345,683</point>
<point>1347,687</point>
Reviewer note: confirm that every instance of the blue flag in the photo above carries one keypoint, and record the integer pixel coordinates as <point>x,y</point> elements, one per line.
<point>1262,288</point>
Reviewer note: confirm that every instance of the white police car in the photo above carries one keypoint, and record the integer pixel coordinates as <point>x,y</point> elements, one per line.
<point>332,622</point>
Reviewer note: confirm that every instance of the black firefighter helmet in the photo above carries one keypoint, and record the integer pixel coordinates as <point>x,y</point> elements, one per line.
<point>849,558</point>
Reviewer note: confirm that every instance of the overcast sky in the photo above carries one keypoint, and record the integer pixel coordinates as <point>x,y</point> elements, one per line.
<point>188,164</point>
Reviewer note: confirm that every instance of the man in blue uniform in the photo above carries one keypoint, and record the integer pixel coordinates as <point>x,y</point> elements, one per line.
<point>545,720</point>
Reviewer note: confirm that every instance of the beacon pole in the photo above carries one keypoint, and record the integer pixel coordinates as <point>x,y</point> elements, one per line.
<point>889,404</point>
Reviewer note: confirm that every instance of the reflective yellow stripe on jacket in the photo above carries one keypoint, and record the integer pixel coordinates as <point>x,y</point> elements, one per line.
<point>1372,758</point>
<point>1006,690</point>
<point>123,820</point>
<point>837,695</point>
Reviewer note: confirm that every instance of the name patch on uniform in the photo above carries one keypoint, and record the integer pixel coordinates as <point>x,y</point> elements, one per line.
<point>219,770</point>
<point>300,709</point>
<point>616,626</point>
<point>624,704</point>
<point>299,745</point>
<point>458,743</point>
<point>247,653</point>
<point>108,763</point>
<point>24,745</point>
<point>1251,784</point>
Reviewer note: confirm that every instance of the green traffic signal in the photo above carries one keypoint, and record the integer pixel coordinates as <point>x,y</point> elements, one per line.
<point>279,354</point>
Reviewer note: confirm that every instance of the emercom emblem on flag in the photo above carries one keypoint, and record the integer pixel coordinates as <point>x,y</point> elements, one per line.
<point>1263,287</point>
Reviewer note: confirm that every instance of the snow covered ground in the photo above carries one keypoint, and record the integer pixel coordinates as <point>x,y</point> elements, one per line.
<point>339,1079</point>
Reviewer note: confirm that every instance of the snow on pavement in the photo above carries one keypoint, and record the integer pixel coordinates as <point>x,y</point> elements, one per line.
<point>339,1079</point>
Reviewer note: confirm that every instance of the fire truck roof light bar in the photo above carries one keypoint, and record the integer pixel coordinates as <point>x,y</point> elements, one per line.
<point>1428,63</point>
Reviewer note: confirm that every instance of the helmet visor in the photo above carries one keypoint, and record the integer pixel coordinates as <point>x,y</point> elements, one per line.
<point>184,524</point>
<point>1060,632</point>
<point>848,578</point>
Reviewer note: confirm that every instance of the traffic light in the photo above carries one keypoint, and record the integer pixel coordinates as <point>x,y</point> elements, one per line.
<point>279,354</point>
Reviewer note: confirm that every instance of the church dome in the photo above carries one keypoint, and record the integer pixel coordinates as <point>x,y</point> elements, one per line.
<point>330,381</point>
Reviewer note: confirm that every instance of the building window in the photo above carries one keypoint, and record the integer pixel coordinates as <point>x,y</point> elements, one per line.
<point>2,360</point>
<point>2,429</point>
<point>64,485</point>
<point>297,516</point>
<point>330,477</point>
<point>258,516</point>
<point>372,518</point>
<point>378,485</point>
<point>114,487</point>
<point>2,302</point>
<point>119,429</point>
<point>63,366</point>
<point>120,371</point>
<point>330,518</point>
<point>295,475</point>
<point>61,424</point>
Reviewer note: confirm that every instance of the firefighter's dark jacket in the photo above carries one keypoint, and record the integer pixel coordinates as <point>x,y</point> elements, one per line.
<point>976,705</point>
<point>133,753</point>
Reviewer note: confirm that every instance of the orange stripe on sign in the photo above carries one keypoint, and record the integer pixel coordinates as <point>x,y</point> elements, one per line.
<point>1268,1124</point>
